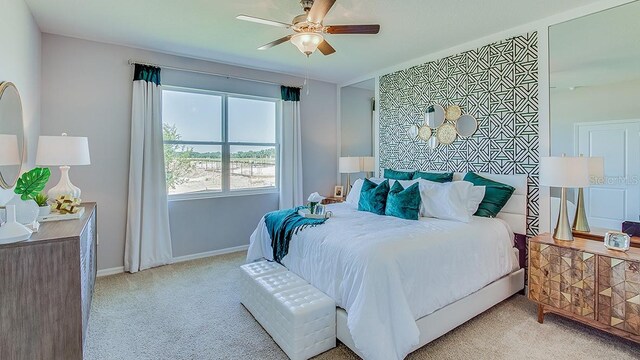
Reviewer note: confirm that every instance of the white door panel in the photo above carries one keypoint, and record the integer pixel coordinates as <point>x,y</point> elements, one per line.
<point>617,198</point>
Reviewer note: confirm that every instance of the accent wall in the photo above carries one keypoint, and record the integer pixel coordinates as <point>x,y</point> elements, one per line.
<point>498,85</point>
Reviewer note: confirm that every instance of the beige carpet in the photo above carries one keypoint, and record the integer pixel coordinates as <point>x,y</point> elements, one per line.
<point>192,311</point>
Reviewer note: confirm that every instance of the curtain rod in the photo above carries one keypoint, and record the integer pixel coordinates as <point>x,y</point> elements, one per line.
<point>133,62</point>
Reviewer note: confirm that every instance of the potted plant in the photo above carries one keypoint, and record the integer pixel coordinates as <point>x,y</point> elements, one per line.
<point>43,202</point>
<point>30,184</point>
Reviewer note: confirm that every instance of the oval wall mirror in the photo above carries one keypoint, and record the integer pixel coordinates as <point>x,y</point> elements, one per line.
<point>434,116</point>
<point>11,135</point>
<point>466,125</point>
<point>413,131</point>
<point>433,142</point>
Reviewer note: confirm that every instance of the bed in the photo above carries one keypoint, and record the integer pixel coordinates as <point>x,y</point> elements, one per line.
<point>400,284</point>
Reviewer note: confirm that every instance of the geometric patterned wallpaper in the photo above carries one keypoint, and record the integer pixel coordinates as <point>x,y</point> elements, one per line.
<point>498,85</point>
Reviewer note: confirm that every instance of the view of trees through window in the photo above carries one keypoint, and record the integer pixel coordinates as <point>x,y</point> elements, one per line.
<point>196,147</point>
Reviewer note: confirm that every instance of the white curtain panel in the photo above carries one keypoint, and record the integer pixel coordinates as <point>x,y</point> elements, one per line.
<point>291,157</point>
<point>148,240</point>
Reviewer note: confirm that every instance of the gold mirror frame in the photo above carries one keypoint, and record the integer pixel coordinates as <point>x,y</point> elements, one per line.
<point>9,183</point>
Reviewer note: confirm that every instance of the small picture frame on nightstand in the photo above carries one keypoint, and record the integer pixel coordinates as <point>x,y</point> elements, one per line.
<point>616,240</point>
<point>338,191</point>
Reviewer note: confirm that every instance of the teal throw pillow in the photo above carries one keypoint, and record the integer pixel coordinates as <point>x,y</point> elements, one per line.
<point>398,175</point>
<point>432,176</point>
<point>496,194</point>
<point>373,198</point>
<point>404,203</point>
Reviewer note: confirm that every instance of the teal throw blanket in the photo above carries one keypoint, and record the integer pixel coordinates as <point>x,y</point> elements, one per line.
<point>282,225</point>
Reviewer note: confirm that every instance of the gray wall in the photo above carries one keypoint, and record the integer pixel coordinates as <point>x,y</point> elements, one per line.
<point>20,64</point>
<point>87,92</point>
<point>355,124</point>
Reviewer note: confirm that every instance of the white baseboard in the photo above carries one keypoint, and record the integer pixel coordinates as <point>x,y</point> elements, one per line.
<point>210,253</point>
<point>110,271</point>
<point>120,269</point>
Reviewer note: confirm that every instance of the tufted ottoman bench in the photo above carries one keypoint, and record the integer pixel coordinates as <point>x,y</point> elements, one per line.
<point>300,318</point>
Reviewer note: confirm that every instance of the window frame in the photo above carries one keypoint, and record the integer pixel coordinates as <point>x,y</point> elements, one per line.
<point>226,145</point>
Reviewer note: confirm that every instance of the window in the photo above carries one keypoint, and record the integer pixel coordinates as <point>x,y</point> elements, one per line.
<point>219,143</point>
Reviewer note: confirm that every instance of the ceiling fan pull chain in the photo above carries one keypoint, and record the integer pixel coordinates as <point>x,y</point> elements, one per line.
<point>306,76</point>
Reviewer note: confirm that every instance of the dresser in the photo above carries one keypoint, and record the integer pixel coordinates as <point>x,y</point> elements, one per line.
<point>586,282</point>
<point>46,286</point>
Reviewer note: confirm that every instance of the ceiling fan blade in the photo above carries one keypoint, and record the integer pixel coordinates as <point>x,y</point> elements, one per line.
<point>352,29</point>
<point>274,43</point>
<point>319,10</point>
<point>325,48</point>
<point>263,21</point>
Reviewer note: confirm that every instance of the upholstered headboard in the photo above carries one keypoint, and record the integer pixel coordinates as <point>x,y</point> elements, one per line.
<point>515,211</point>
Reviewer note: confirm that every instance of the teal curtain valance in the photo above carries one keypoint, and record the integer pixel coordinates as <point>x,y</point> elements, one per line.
<point>290,93</point>
<point>147,73</point>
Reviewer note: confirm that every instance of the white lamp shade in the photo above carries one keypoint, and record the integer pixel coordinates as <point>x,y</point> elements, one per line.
<point>368,163</point>
<point>349,164</point>
<point>62,150</point>
<point>596,167</point>
<point>564,171</point>
<point>9,150</point>
<point>307,42</point>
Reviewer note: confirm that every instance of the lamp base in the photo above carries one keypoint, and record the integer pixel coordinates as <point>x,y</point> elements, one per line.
<point>580,222</point>
<point>563,229</point>
<point>64,186</point>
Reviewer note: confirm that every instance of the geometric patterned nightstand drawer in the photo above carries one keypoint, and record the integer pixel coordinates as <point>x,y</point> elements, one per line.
<point>619,294</point>
<point>563,278</point>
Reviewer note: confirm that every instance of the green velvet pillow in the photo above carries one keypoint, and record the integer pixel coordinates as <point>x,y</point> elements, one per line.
<point>373,198</point>
<point>403,203</point>
<point>496,194</point>
<point>398,175</point>
<point>431,176</point>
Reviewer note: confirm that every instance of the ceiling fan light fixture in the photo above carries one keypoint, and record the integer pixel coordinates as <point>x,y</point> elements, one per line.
<point>307,42</point>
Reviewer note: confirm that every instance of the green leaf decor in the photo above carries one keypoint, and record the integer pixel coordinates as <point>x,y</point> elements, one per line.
<point>32,182</point>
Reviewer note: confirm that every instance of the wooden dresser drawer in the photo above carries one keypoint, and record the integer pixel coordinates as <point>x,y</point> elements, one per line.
<point>563,278</point>
<point>619,293</point>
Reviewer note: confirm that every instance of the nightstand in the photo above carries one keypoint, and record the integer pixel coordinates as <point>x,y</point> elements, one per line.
<point>332,200</point>
<point>584,281</point>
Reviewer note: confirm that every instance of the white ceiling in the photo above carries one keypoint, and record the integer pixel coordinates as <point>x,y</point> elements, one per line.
<point>598,49</point>
<point>207,29</point>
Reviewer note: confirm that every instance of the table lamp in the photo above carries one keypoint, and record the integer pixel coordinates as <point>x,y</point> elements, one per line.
<point>349,165</point>
<point>596,171</point>
<point>564,172</point>
<point>63,151</point>
<point>367,164</point>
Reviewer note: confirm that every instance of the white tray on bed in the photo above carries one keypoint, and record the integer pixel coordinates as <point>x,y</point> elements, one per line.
<point>307,214</point>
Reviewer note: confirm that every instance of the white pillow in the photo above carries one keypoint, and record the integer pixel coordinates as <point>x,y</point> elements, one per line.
<point>446,201</point>
<point>354,194</point>
<point>475,198</point>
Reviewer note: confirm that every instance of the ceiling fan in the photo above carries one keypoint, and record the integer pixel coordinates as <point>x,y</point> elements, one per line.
<point>309,28</point>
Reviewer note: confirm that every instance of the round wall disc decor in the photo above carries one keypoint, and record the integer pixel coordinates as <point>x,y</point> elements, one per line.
<point>434,116</point>
<point>466,125</point>
<point>453,112</point>
<point>446,134</point>
<point>424,132</point>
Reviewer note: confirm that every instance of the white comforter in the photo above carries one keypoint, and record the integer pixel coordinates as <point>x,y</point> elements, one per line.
<point>388,272</point>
